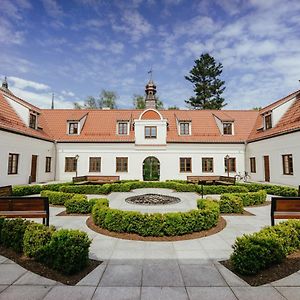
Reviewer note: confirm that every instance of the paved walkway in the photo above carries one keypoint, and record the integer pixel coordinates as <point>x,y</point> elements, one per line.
<point>152,270</point>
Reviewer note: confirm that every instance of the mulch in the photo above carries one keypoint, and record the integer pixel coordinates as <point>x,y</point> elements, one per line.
<point>288,266</point>
<point>64,214</point>
<point>40,269</point>
<point>135,237</point>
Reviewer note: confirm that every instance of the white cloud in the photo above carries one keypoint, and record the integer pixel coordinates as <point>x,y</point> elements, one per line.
<point>23,83</point>
<point>53,9</point>
<point>9,35</point>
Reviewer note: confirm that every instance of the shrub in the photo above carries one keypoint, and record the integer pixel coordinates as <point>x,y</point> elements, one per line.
<point>230,204</point>
<point>67,251</point>
<point>270,245</point>
<point>252,198</point>
<point>55,186</point>
<point>12,233</point>
<point>221,189</point>
<point>25,190</point>
<point>36,236</point>
<point>87,189</point>
<point>80,205</point>
<point>57,198</point>
<point>157,224</point>
<point>1,225</point>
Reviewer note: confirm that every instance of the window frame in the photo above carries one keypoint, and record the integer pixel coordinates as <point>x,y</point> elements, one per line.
<point>13,165</point>
<point>231,170</point>
<point>252,165</point>
<point>185,160</point>
<point>184,131</point>
<point>68,164</point>
<point>150,136</point>
<point>289,168</point>
<point>268,121</point>
<point>123,165</point>
<point>206,164</point>
<point>32,119</point>
<point>229,132</point>
<point>48,164</point>
<point>70,124</point>
<point>126,127</point>
<point>96,170</point>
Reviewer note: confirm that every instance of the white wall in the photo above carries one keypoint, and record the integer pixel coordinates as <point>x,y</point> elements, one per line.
<point>280,110</point>
<point>275,148</point>
<point>167,155</point>
<point>21,110</point>
<point>25,147</point>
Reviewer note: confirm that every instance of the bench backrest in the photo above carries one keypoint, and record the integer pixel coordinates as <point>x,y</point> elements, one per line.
<point>96,178</point>
<point>228,179</point>
<point>202,178</point>
<point>286,204</point>
<point>24,204</point>
<point>5,191</point>
<point>79,178</point>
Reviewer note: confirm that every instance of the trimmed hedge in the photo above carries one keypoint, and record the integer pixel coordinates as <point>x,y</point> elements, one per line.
<point>258,251</point>
<point>252,198</point>
<point>57,198</point>
<point>12,233</point>
<point>230,203</point>
<point>156,224</point>
<point>80,205</point>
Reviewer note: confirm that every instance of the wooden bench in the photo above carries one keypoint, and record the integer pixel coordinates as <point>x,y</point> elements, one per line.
<point>5,191</point>
<point>211,180</point>
<point>95,179</point>
<point>285,208</point>
<point>25,207</point>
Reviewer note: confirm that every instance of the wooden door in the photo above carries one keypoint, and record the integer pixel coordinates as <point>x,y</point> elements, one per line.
<point>267,168</point>
<point>33,168</point>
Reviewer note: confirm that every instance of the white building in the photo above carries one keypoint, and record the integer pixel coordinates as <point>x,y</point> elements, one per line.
<point>40,145</point>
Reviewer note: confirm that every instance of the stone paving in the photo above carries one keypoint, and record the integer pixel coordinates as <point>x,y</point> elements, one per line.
<point>152,270</point>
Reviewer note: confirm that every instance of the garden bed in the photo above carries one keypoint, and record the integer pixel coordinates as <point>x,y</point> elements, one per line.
<point>288,266</point>
<point>40,269</point>
<point>135,237</point>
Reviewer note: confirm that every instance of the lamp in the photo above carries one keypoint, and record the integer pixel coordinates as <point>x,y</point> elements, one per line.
<point>227,164</point>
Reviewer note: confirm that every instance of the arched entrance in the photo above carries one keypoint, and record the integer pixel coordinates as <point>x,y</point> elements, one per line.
<point>151,169</point>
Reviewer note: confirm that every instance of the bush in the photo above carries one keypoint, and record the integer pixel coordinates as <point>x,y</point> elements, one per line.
<point>221,189</point>
<point>36,236</point>
<point>252,198</point>
<point>1,225</point>
<point>67,251</point>
<point>12,233</point>
<point>230,204</point>
<point>25,190</point>
<point>79,204</point>
<point>262,249</point>
<point>87,189</point>
<point>168,224</point>
<point>57,198</point>
<point>55,186</point>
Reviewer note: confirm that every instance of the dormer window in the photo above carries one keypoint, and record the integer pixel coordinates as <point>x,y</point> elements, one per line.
<point>227,128</point>
<point>73,128</point>
<point>184,128</point>
<point>150,132</point>
<point>268,121</point>
<point>33,121</point>
<point>123,128</point>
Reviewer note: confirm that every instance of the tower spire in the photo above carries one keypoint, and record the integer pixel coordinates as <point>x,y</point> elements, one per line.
<point>52,104</point>
<point>5,84</point>
<point>150,90</point>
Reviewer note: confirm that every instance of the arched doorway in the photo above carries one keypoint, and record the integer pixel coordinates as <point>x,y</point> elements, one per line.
<point>151,169</point>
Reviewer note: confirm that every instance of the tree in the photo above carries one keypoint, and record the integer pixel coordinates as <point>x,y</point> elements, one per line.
<point>173,107</point>
<point>139,102</point>
<point>207,85</point>
<point>257,108</point>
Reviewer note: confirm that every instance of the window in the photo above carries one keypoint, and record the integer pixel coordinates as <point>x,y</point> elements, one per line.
<point>32,121</point>
<point>227,128</point>
<point>184,128</point>
<point>95,164</point>
<point>150,132</point>
<point>123,128</point>
<point>70,164</point>
<point>268,121</point>
<point>231,163</point>
<point>122,164</point>
<point>252,165</point>
<point>73,128</point>
<point>207,164</point>
<point>13,161</point>
<point>48,165</point>
<point>287,161</point>
<point>185,164</point>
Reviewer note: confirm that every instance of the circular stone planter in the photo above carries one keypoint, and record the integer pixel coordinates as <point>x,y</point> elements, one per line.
<point>152,199</point>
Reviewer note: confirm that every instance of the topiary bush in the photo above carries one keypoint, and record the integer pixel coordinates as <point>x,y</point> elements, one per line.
<point>36,236</point>
<point>66,252</point>
<point>12,233</point>
<point>230,203</point>
<point>25,190</point>
<point>252,198</point>
<point>168,224</point>
<point>57,198</point>
<point>80,205</point>
<point>255,252</point>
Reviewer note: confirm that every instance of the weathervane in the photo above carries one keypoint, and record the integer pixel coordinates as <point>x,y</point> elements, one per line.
<point>150,72</point>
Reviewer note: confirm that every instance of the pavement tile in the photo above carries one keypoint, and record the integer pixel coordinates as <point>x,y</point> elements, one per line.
<point>291,280</point>
<point>290,293</point>
<point>30,278</point>
<point>164,274</point>
<point>70,293</point>
<point>3,287</point>
<point>210,293</point>
<point>2,259</point>
<point>24,292</point>
<point>122,275</point>
<point>93,278</point>
<point>201,275</point>
<point>164,293</point>
<point>117,293</point>
<point>257,293</point>
<point>10,273</point>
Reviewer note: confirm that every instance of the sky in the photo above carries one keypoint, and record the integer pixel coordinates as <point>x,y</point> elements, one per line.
<point>76,48</point>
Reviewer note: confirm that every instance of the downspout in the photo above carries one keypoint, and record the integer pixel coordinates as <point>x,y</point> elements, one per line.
<point>55,167</point>
<point>245,156</point>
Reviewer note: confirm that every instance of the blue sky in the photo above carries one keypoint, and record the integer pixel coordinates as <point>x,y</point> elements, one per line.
<point>76,48</point>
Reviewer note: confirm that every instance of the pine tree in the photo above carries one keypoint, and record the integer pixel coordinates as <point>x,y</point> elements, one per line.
<point>207,85</point>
